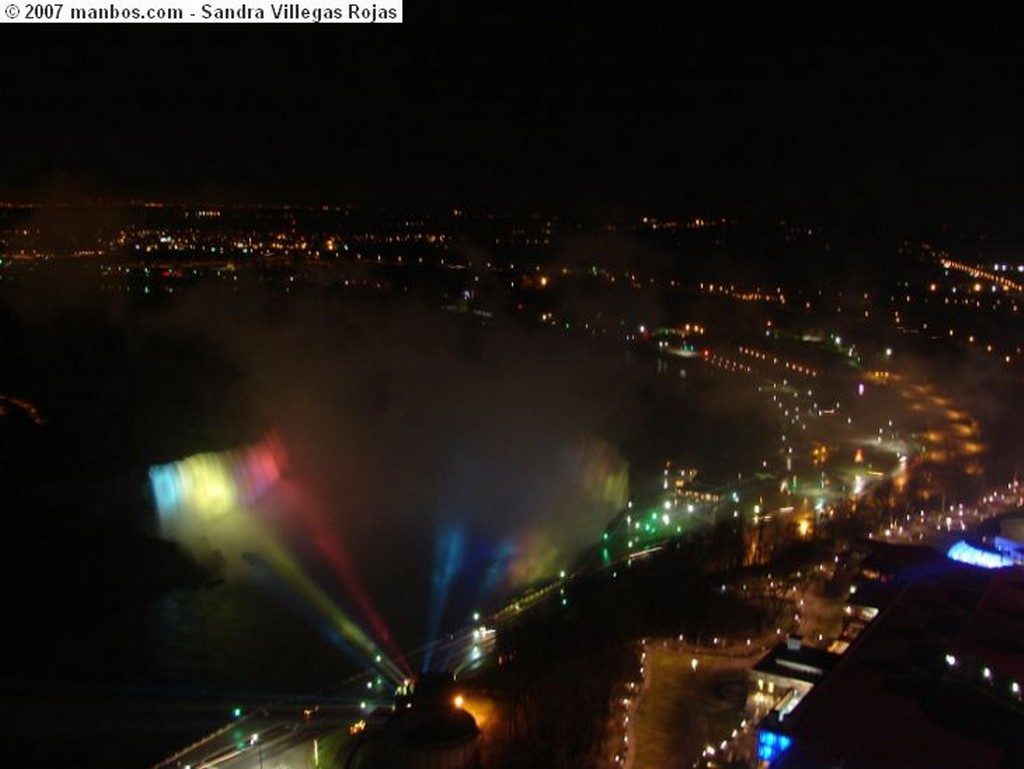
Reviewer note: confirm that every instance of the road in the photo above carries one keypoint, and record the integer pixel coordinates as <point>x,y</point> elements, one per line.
<point>277,737</point>
<point>287,736</point>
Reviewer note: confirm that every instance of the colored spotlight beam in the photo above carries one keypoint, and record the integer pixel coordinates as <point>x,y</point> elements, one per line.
<point>496,572</point>
<point>333,550</point>
<point>204,488</point>
<point>286,593</point>
<point>448,551</point>
<point>285,565</point>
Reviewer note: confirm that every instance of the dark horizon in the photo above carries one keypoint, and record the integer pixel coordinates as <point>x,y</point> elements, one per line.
<point>910,122</point>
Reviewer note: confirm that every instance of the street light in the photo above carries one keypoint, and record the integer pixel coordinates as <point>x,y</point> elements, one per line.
<point>255,740</point>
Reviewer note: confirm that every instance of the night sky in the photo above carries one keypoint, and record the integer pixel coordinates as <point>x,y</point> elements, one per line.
<point>833,113</point>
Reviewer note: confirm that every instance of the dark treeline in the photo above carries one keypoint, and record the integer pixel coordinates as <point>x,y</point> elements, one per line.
<point>561,668</point>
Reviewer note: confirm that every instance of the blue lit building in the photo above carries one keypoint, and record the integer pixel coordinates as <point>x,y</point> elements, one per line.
<point>771,745</point>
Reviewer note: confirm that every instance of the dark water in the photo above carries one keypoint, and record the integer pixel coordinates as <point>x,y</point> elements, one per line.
<point>117,649</point>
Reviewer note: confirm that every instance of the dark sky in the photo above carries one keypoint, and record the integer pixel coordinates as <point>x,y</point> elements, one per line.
<point>617,107</point>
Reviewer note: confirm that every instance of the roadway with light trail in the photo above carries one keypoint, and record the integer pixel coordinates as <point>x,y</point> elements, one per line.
<point>274,737</point>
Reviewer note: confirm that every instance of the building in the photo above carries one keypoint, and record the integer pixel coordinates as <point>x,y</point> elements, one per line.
<point>786,674</point>
<point>428,729</point>
<point>933,682</point>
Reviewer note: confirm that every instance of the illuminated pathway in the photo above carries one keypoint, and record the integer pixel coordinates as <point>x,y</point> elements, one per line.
<point>679,713</point>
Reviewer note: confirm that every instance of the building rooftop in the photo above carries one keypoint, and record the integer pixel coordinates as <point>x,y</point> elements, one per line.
<point>888,560</point>
<point>794,660</point>
<point>911,691</point>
